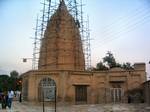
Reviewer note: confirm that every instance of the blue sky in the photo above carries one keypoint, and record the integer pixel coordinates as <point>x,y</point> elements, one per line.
<point>119,26</point>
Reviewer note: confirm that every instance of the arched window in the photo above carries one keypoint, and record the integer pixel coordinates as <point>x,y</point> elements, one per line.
<point>46,89</point>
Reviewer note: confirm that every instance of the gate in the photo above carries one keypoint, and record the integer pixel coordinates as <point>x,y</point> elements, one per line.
<point>47,88</point>
<point>116,94</point>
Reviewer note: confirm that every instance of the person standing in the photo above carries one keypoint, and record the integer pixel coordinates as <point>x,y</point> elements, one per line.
<point>10,98</point>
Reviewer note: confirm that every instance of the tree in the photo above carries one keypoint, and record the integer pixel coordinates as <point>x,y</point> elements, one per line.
<point>14,77</point>
<point>101,66</point>
<point>10,82</point>
<point>14,74</point>
<point>4,82</point>
<point>110,60</point>
<point>127,66</point>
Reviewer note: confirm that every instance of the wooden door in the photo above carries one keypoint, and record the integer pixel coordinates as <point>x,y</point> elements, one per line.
<point>81,94</point>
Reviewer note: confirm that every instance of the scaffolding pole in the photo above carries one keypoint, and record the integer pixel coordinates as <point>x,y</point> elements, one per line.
<point>76,10</point>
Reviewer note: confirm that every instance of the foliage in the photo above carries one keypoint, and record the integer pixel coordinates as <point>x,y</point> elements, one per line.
<point>4,85</point>
<point>10,82</point>
<point>14,74</point>
<point>101,66</point>
<point>127,66</point>
<point>109,62</point>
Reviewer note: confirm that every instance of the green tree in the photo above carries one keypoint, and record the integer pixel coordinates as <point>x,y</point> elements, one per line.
<point>110,60</point>
<point>101,66</point>
<point>10,82</point>
<point>4,82</point>
<point>14,77</point>
<point>127,66</point>
<point>14,74</point>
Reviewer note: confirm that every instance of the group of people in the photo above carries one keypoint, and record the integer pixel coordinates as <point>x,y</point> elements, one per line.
<point>6,99</point>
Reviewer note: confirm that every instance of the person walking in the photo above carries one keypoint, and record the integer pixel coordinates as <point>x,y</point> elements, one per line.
<point>10,98</point>
<point>3,101</point>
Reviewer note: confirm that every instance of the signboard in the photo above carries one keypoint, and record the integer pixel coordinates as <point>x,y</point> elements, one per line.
<point>49,93</point>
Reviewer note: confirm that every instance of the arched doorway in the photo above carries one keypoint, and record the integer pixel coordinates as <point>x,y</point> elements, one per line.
<point>46,91</point>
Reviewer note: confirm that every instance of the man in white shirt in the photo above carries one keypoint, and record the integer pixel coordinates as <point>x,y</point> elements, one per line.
<point>10,98</point>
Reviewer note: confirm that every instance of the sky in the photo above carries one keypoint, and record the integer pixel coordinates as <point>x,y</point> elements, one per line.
<point>119,26</point>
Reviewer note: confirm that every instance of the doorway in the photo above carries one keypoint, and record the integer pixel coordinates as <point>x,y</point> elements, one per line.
<point>47,88</point>
<point>116,94</point>
<point>81,94</point>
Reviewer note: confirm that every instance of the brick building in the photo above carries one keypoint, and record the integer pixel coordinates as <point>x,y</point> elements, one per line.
<point>62,67</point>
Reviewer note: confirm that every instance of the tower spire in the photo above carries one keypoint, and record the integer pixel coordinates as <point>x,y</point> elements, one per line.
<point>61,1</point>
<point>62,5</point>
<point>61,47</point>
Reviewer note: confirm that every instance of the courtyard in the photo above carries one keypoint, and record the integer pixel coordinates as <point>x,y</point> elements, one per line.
<point>26,107</point>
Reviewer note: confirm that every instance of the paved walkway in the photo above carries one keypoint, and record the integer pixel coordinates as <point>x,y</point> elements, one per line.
<point>25,107</point>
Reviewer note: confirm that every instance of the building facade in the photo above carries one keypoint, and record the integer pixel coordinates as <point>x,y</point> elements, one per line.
<point>82,86</point>
<point>62,69</point>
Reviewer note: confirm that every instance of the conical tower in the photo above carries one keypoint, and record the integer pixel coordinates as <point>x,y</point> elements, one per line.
<point>61,47</point>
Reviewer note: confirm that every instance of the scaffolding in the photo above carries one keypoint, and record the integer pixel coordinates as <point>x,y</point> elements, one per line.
<point>76,10</point>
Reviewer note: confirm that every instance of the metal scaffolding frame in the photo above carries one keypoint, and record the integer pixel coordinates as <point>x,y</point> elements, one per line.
<point>76,10</point>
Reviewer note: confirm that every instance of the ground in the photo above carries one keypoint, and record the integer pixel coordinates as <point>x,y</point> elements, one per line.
<point>26,107</point>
